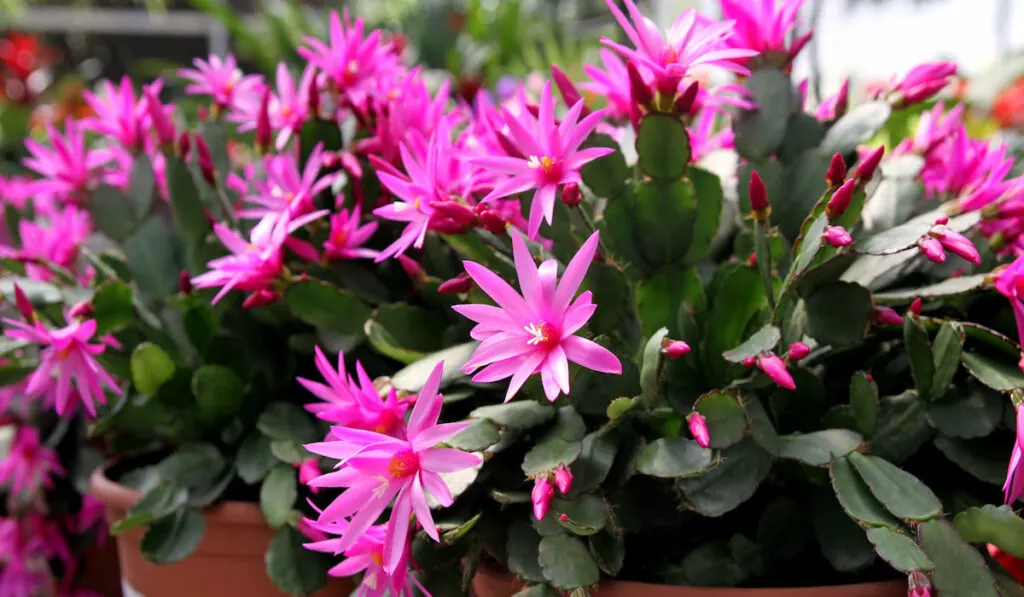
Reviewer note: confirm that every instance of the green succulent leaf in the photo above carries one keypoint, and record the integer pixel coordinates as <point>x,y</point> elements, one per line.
<point>325,306</point>
<point>968,415</point>
<point>158,503</point>
<point>150,367</point>
<point>946,350</point>
<point>725,417</point>
<point>550,454</point>
<point>674,458</point>
<point>584,516</point>
<point>650,365</point>
<point>112,307</point>
<point>903,494</point>
<point>567,563</point>
<point>948,288</point>
<point>732,482</point>
<point>922,359</point>
<point>763,340</point>
<point>218,391</point>
<point>662,146</point>
<point>899,550</point>
<point>254,459</point>
<point>658,298</point>
<point>480,435</point>
<point>192,465</point>
<point>842,541</point>
<point>174,538</point>
<point>760,131</point>
<point>960,570</point>
<point>856,127</point>
<point>607,174</point>
<point>864,403</point>
<point>413,377</point>
<point>997,375</point>
<point>293,568</point>
<point>278,494</point>
<point>998,525</point>
<point>708,188</point>
<point>819,448</point>
<point>837,314</point>
<point>112,212</point>
<point>515,415</point>
<point>983,460</point>
<point>664,215</point>
<point>287,421</point>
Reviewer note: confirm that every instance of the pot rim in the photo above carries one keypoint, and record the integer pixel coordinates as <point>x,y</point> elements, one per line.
<point>116,495</point>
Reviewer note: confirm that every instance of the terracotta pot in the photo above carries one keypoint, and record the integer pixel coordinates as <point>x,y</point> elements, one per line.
<point>229,561</point>
<point>492,582</point>
<point>101,572</point>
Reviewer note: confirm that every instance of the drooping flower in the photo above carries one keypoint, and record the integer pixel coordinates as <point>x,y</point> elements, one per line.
<point>535,332</point>
<point>377,469</point>
<point>353,403</point>
<point>221,79</point>
<point>255,265</point>
<point>552,156</point>
<point>29,465</point>
<point>1013,489</point>
<point>286,189</point>
<point>347,237</point>
<point>67,358</point>
<point>365,556</point>
<point>68,167</point>
<point>765,26</point>
<point>563,479</point>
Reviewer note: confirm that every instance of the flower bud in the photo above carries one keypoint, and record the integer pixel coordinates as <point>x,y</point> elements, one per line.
<point>412,269</point>
<point>887,316</point>
<point>184,282</point>
<point>932,249</point>
<point>684,103</point>
<point>749,362</point>
<point>455,211</point>
<point>867,168</point>
<point>24,305</point>
<point>698,426</point>
<point>563,479</point>
<point>563,517</point>
<point>915,307</point>
<point>798,351</point>
<point>205,159</point>
<point>263,129</point>
<point>81,310</point>
<point>570,95</point>
<point>541,497</point>
<point>313,97</point>
<point>673,349</point>
<point>184,145</point>
<point>260,298</point>
<point>775,368</point>
<point>955,242</point>
<point>308,470</point>
<point>571,195</point>
<point>918,585</point>
<point>457,285</point>
<point>493,222</point>
<point>836,171</point>
<point>638,88</point>
<point>837,236</point>
<point>159,120</point>
<point>840,200</point>
<point>759,206</point>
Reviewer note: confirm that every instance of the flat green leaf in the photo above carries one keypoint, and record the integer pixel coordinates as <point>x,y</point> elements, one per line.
<point>968,415</point>
<point>960,570</point>
<point>737,296</point>
<point>151,367</point>
<point>278,494</point>
<point>763,340</point>
<point>842,541</point>
<point>151,256</point>
<point>112,307</point>
<point>997,375</point>
<point>725,417</point>
<point>218,391</point>
<point>651,364</point>
<point>899,491</point>
<point>451,533</point>
<point>480,435</point>
<point>857,126</point>
<point>293,568</point>
<point>760,131</point>
<point>761,428</point>
<point>192,465</point>
<point>898,550</point>
<point>998,525</point>
<point>595,460</point>
<point>710,564</point>
<point>782,531</point>
<point>549,455</point>
<point>949,287</point>
<point>902,427</point>
<point>174,538</point>
<point>585,515</point>
<point>404,332</point>
<point>609,551</point>
<point>157,503</point>
<point>515,415</point>
<point>837,313</point>
<point>289,451</point>
<point>112,212</point>
<point>567,563</point>
<point>142,187</point>
<point>732,482</point>
<point>607,174</point>
<point>922,359</point>
<point>864,403</point>
<point>946,350</point>
<point>619,407</point>
<point>412,377</point>
<point>664,214</point>
<point>284,420</point>
<point>983,460</point>
<point>662,146</point>
<point>522,547</point>
<point>819,448</point>
<point>708,189</point>
<point>186,204</point>
<point>325,306</point>
<point>673,458</point>
<point>658,298</point>
<point>254,459</point>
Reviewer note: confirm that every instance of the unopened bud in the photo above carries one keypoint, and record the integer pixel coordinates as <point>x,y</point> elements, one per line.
<point>674,349</point>
<point>260,298</point>
<point>313,97</point>
<point>798,351</point>
<point>571,195</point>
<point>493,222</point>
<point>698,426</point>
<point>263,129</point>
<point>668,85</point>
<point>932,249</point>
<point>184,283</point>
<point>541,496</point>
<point>836,171</point>
<point>775,368</point>
<point>563,517</point>
<point>867,168</point>
<point>457,285</point>
<point>638,88</point>
<point>563,479</point>
<point>840,200</point>
<point>184,145</point>
<point>887,316</point>
<point>915,307</point>
<point>81,310</point>
<point>458,212</point>
<point>759,206</point>
<point>412,269</point>
<point>205,159</point>
<point>159,120</point>
<point>749,362</point>
<point>24,305</point>
<point>570,95</point>
<point>836,236</point>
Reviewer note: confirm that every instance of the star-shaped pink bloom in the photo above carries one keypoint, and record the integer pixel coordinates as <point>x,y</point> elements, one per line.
<point>535,332</point>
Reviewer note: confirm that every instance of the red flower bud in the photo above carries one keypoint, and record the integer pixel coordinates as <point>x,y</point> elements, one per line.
<point>493,222</point>
<point>458,212</point>
<point>205,158</point>
<point>915,307</point>
<point>24,305</point>
<point>260,298</point>
<point>674,349</point>
<point>798,351</point>
<point>759,205</point>
<point>867,168</point>
<point>836,171</point>
<point>749,362</point>
<point>457,285</point>
<point>698,426</point>
<point>638,88</point>
<point>412,269</point>
<point>313,97</point>
<point>570,94</point>
<point>840,200</point>
<point>887,316</point>
<point>571,194</point>
<point>184,145</point>
<point>184,282</point>
<point>263,129</point>
<point>668,85</point>
<point>837,236</point>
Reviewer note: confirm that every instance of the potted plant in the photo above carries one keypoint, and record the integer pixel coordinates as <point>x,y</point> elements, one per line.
<point>518,347</point>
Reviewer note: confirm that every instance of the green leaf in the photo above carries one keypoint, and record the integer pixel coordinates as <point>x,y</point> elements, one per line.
<point>763,340</point>
<point>983,460</point>
<point>760,131</point>
<point>946,349</point>
<point>293,568</point>
<point>595,460</point>
<point>968,415</point>
<point>725,416</point>
<point>919,351</point>
<point>619,407</point>
<point>803,132</point>
<point>609,551</point>
<point>522,546</point>
<point>761,428</point>
<point>585,515</point>
<point>192,465</point>
<point>289,451</point>
<point>325,306</point>
<point>898,550</point>
<point>710,564</point>
<point>737,296</point>
<point>218,391</point>
<point>856,127</point>
<point>515,415</point>
<point>150,254</point>
<point>902,427</point>
<point>960,570</point>
<point>658,298</point>
<point>151,367</point>
<point>112,212</point>
<point>837,313</point>
<point>607,174</point>
<point>864,403</point>
<point>403,332</point>
<point>174,538</point>
<point>451,533</point>
<point>708,189</point>
<point>899,491</point>
<point>999,526</point>
<point>994,374</point>
<point>567,562</point>
<point>159,502</point>
<point>732,482</point>
<point>842,541</point>
<point>947,288</point>
<point>112,307</point>
<point>480,435</point>
<point>284,420</point>
<point>782,531</point>
<point>200,323</point>
<point>664,214</point>
<point>254,458</point>
<point>412,378</point>
<point>186,205</point>
<point>549,455</point>
<point>673,458</point>
<point>142,187</point>
<point>278,494</point>
<point>819,448</point>
<point>662,146</point>
<point>651,364</point>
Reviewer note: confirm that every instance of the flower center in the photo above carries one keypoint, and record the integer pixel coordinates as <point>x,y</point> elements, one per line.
<point>404,464</point>
<point>543,334</point>
<point>550,168</point>
<point>384,424</point>
<point>63,353</point>
<point>338,237</point>
<point>351,71</point>
<point>671,56</point>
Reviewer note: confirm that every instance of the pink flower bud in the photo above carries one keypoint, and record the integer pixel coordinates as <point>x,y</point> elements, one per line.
<point>1020,363</point>
<point>571,195</point>
<point>915,306</point>
<point>918,585</point>
<point>673,349</point>
<point>260,298</point>
<point>955,242</point>
<point>563,517</point>
<point>684,103</point>
<point>749,362</point>
<point>412,269</point>
<point>541,496</point>
<point>759,205</point>
<point>836,172</point>
<point>493,222</point>
<point>942,220</point>
<point>305,526</point>
<point>184,145</point>
<point>28,313</point>
<point>775,368</point>
<point>81,310</point>
<point>840,199</point>
<point>313,97</point>
<point>563,479</point>
<point>263,129</point>
<point>638,88</point>
<point>932,249</point>
<point>460,213</point>
<point>837,236</point>
<point>887,316</point>
<point>205,159</point>
<point>159,120</point>
<point>570,95</point>
<point>699,429</point>
<point>308,470</point>
<point>184,282</point>
<point>457,285</point>
<point>867,168</point>
<point>798,351</point>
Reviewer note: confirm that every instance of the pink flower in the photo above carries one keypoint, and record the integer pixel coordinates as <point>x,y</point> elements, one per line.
<point>918,584</point>
<point>119,114</point>
<point>1010,283</point>
<point>255,265</point>
<point>377,469</point>
<point>775,368</point>
<point>541,495</point>
<point>563,479</point>
<point>698,426</point>
<point>535,332</point>
<point>703,137</point>
<point>973,171</point>
<point>612,83</point>
<point>693,40</point>
<point>834,106</point>
<point>286,189</point>
<point>91,517</point>
<point>53,239</point>
<point>67,358</point>
<point>923,81</point>
<point>406,113</point>
<point>351,404</point>
<point>220,78</point>
<point>765,26</point>
<point>552,156</point>
<point>1014,486</point>
<point>287,110</point>
<point>68,167</point>
<point>347,237</point>
<point>29,465</point>
<point>837,236</point>
<point>309,469</point>
<point>935,127</point>
<point>366,556</point>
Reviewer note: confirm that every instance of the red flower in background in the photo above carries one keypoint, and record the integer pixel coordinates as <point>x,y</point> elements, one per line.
<point>1013,565</point>
<point>1008,109</point>
<point>20,56</point>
